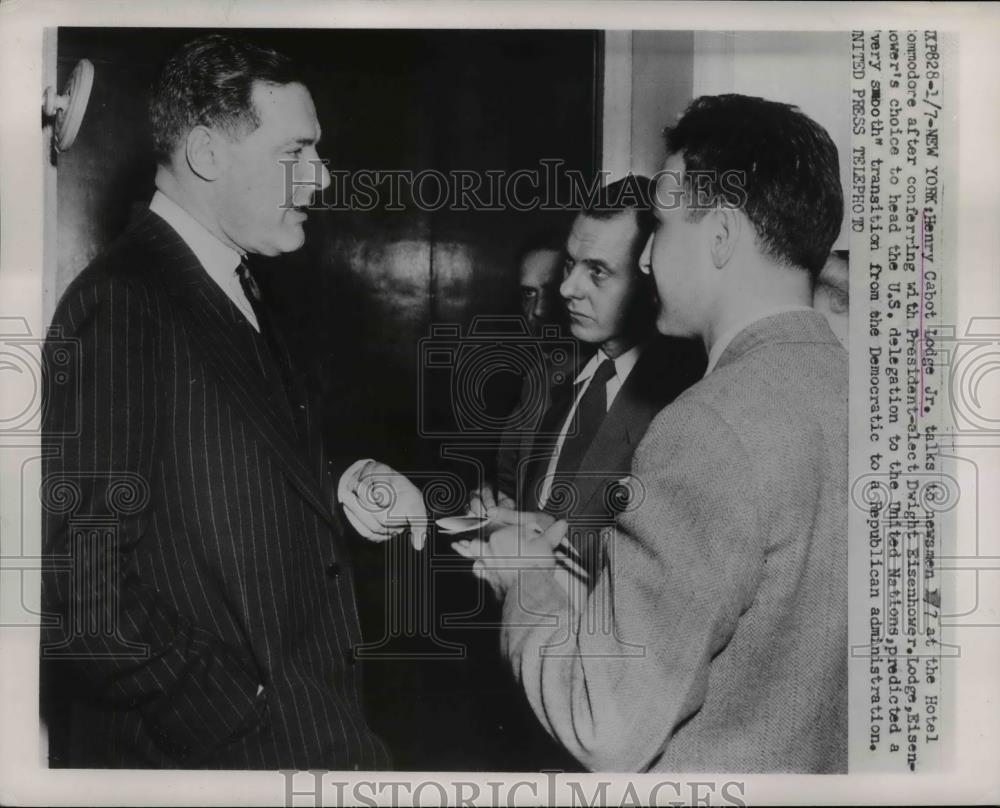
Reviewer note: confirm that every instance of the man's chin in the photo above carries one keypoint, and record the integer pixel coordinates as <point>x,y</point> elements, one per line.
<point>669,327</point>
<point>580,331</point>
<point>292,239</point>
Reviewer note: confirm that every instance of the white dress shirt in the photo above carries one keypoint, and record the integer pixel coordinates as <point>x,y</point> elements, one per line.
<point>623,367</point>
<point>720,345</point>
<point>219,260</point>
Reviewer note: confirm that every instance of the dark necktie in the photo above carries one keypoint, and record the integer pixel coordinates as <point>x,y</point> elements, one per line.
<point>276,346</point>
<point>253,295</point>
<point>587,420</point>
<point>543,444</point>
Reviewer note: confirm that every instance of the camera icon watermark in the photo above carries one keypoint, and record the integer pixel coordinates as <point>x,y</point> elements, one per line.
<point>972,365</point>
<point>969,358</point>
<point>464,365</point>
<point>32,372</point>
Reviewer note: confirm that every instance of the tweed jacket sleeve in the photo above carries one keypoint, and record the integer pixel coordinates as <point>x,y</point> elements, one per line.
<point>620,669</point>
<point>103,428</point>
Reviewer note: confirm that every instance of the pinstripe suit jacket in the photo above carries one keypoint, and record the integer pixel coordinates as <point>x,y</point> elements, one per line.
<point>716,637</point>
<point>200,601</point>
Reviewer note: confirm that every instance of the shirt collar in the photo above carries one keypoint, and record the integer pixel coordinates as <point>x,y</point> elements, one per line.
<point>623,364</point>
<point>219,260</point>
<point>720,345</point>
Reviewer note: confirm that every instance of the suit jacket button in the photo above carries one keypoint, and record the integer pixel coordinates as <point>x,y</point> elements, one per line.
<point>333,569</point>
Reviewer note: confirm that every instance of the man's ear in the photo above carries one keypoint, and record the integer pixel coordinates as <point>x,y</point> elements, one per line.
<point>203,153</point>
<point>725,226</point>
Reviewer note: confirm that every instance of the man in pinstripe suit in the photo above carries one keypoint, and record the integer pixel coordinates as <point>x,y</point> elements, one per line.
<point>200,607</point>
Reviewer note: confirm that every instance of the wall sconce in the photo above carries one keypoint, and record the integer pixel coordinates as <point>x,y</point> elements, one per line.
<point>65,112</point>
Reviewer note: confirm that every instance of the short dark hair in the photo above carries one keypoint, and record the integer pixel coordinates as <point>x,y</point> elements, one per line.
<point>633,192</point>
<point>787,165</point>
<point>209,82</point>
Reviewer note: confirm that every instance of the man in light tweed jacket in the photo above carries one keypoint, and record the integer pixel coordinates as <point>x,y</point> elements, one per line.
<point>715,635</point>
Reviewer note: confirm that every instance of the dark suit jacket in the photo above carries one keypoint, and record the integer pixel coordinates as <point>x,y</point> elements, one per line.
<point>188,512</point>
<point>589,498</point>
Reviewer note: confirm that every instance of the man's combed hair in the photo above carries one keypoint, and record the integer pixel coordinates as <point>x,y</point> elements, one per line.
<point>209,82</point>
<point>633,192</point>
<point>770,160</point>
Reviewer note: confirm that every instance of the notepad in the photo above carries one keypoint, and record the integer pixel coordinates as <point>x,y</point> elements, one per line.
<point>461,524</point>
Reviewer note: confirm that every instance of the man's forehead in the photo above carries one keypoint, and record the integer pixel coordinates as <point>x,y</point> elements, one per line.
<point>672,175</point>
<point>668,194</point>
<point>602,238</point>
<point>286,109</point>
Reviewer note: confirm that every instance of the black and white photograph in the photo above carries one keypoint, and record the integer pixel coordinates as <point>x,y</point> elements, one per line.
<point>490,400</point>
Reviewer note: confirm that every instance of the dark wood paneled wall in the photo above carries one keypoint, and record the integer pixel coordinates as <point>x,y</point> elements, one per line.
<point>368,284</point>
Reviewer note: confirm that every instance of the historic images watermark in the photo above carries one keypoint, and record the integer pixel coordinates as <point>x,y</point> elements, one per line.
<point>316,788</point>
<point>548,187</point>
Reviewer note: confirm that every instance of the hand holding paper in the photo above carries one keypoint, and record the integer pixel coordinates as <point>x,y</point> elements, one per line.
<point>523,544</point>
<point>486,498</point>
<point>379,502</point>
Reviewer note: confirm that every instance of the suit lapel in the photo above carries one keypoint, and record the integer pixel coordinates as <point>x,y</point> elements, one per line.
<point>610,452</point>
<point>537,447</point>
<point>231,347</point>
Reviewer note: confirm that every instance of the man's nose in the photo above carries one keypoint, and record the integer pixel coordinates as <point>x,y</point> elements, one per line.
<point>320,176</point>
<point>570,287</point>
<point>542,306</point>
<point>324,177</point>
<point>646,259</point>
<point>309,178</point>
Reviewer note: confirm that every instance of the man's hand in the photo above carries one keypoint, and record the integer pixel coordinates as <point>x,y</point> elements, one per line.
<point>380,502</point>
<point>523,544</point>
<point>529,521</point>
<point>486,498</point>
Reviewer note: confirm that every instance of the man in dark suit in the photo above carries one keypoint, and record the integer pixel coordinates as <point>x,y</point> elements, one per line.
<point>571,464</point>
<point>200,601</point>
<point>715,638</point>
